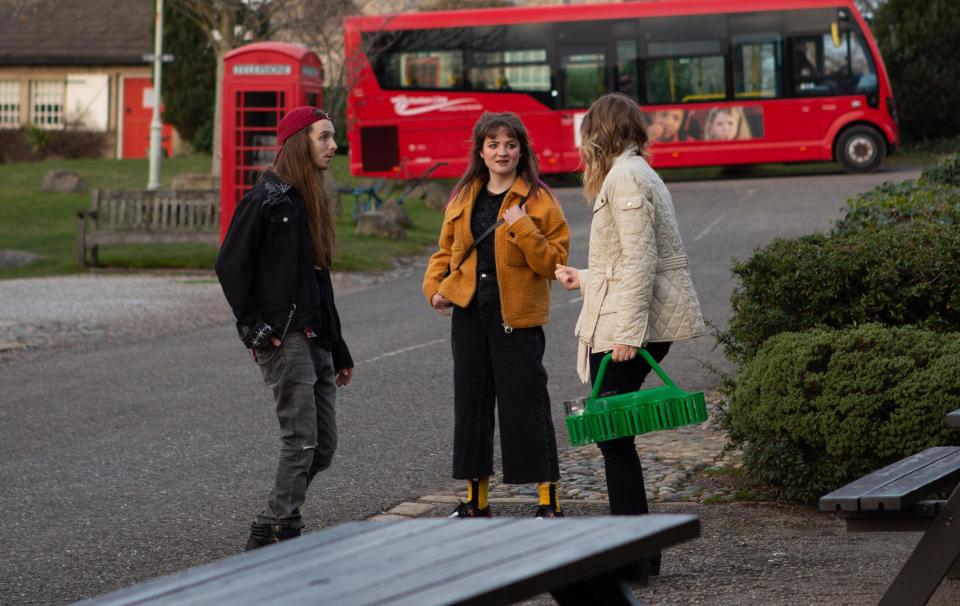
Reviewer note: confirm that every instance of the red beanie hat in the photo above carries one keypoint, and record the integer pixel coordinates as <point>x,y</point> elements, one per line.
<point>297,120</point>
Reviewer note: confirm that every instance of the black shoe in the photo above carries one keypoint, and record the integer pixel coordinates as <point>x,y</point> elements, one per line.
<point>265,533</point>
<point>545,511</point>
<point>469,510</point>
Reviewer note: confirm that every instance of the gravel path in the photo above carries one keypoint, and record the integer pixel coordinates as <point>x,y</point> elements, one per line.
<point>92,310</point>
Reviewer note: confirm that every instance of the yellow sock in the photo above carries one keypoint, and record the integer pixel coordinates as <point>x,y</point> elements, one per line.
<point>483,489</point>
<point>548,494</point>
<point>477,491</point>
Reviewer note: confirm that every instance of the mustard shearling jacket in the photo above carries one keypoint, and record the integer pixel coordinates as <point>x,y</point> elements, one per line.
<point>526,254</point>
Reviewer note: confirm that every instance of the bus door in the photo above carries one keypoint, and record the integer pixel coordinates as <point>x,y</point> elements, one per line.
<point>583,73</point>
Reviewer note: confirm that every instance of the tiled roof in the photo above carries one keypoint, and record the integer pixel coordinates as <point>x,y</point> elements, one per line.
<point>75,32</point>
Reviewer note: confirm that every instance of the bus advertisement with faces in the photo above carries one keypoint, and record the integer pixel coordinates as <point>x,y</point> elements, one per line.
<point>716,123</point>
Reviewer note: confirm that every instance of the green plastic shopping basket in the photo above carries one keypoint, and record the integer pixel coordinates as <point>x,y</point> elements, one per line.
<point>598,419</point>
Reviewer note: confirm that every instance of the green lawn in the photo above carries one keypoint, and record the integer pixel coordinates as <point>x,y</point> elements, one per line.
<point>46,223</point>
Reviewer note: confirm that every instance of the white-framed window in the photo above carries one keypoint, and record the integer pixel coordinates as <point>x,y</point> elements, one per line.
<point>9,104</point>
<point>46,103</point>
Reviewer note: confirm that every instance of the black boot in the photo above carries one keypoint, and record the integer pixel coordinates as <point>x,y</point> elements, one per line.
<point>265,533</point>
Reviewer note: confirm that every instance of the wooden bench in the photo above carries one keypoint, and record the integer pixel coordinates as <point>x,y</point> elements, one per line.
<point>895,499</point>
<point>429,561</point>
<point>139,217</point>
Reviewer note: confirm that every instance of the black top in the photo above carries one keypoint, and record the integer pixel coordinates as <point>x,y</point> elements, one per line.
<point>485,209</point>
<point>266,269</point>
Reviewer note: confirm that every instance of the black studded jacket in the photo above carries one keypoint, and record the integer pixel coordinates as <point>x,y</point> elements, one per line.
<point>267,271</point>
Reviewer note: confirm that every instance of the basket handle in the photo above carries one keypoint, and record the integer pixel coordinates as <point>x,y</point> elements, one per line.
<point>646,356</point>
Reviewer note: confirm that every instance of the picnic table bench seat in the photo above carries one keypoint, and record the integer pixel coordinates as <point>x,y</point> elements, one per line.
<point>142,217</point>
<point>429,561</point>
<point>895,498</point>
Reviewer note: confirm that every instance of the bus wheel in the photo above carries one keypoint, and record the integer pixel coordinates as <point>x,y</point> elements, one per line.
<point>861,149</point>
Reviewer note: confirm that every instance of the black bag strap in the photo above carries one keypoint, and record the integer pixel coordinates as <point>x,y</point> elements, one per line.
<point>485,233</point>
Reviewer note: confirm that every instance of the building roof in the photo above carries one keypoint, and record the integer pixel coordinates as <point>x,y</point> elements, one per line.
<point>75,32</point>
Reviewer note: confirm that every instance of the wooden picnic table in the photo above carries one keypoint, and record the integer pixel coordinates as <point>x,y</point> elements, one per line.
<point>430,561</point>
<point>894,498</point>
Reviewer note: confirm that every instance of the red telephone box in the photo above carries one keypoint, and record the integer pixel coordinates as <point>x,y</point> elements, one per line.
<point>261,83</point>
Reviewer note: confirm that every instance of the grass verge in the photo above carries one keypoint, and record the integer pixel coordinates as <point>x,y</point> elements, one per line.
<point>46,223</point>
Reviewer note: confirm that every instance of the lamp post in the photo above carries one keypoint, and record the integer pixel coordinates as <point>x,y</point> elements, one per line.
<point>156,126</point>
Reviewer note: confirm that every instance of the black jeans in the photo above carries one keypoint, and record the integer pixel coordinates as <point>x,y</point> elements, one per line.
<point>494,369</point>
<point>622,464</point>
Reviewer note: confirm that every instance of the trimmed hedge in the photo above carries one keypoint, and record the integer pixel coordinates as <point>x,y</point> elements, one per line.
<point>30,144</point>
<point>903,274</point>
<point>891,203</point>
<point>817,409</point>
<point>934,197</point>
<point>945,171</point>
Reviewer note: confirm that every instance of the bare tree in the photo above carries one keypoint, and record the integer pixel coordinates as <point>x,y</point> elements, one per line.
<point>229,24</point>
<point>323,31</point>
<point>318,25</point>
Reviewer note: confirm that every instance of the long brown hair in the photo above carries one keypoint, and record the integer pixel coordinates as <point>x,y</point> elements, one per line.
<point>613,123</point>
<point>488,125</point>
<point>294,165</point>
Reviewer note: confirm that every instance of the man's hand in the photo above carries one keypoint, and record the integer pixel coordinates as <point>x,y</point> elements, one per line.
<point>568,277</point>
<point>441,304</point>
<point>514,214</point>
<point>253,352</point>
<point>622,353</point>
<point>343,377</point>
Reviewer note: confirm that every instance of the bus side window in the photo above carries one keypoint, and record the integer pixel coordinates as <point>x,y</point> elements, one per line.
<point>627,68</point>
<point>583,75</point>
<point>757,66</point>
<point>824,65</point>
<point>518,70</point>
<point>861,64</point>
<point>807,67</point>
<point>678,73</point>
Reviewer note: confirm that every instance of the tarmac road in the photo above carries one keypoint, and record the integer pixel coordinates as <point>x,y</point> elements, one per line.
<point>136,460</point>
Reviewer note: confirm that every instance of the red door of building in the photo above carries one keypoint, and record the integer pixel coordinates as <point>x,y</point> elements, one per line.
<point>137,114</point>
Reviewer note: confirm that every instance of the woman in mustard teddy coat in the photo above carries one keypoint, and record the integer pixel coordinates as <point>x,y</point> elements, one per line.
<point>503,233</point>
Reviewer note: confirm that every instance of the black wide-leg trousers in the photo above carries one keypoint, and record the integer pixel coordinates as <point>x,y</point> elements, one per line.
<point>500,371</point>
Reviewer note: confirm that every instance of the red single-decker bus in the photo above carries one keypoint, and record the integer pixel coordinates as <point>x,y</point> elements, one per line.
<point>722,82</point>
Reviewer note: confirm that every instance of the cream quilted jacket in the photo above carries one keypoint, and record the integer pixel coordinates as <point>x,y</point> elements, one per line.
<point>637,287</point>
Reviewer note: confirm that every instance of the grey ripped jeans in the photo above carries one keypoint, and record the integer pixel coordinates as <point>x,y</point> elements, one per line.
<point>302,378</point>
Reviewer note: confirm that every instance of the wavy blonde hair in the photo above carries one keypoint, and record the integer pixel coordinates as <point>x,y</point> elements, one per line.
<point>613,123</point>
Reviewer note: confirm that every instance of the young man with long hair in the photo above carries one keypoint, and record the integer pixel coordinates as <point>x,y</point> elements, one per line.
<point>502,235</point>
<point>274,267</point>
<point>637,290</point>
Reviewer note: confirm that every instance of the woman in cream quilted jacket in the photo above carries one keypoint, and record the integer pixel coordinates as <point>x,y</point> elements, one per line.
<point>637,290</point>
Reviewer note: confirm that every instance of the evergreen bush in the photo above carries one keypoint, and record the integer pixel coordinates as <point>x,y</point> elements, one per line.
<point>934,197</point>
<point>815,410</point>
<point>945,171</point>
<point>902,274</point>
<point>913,200</point>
